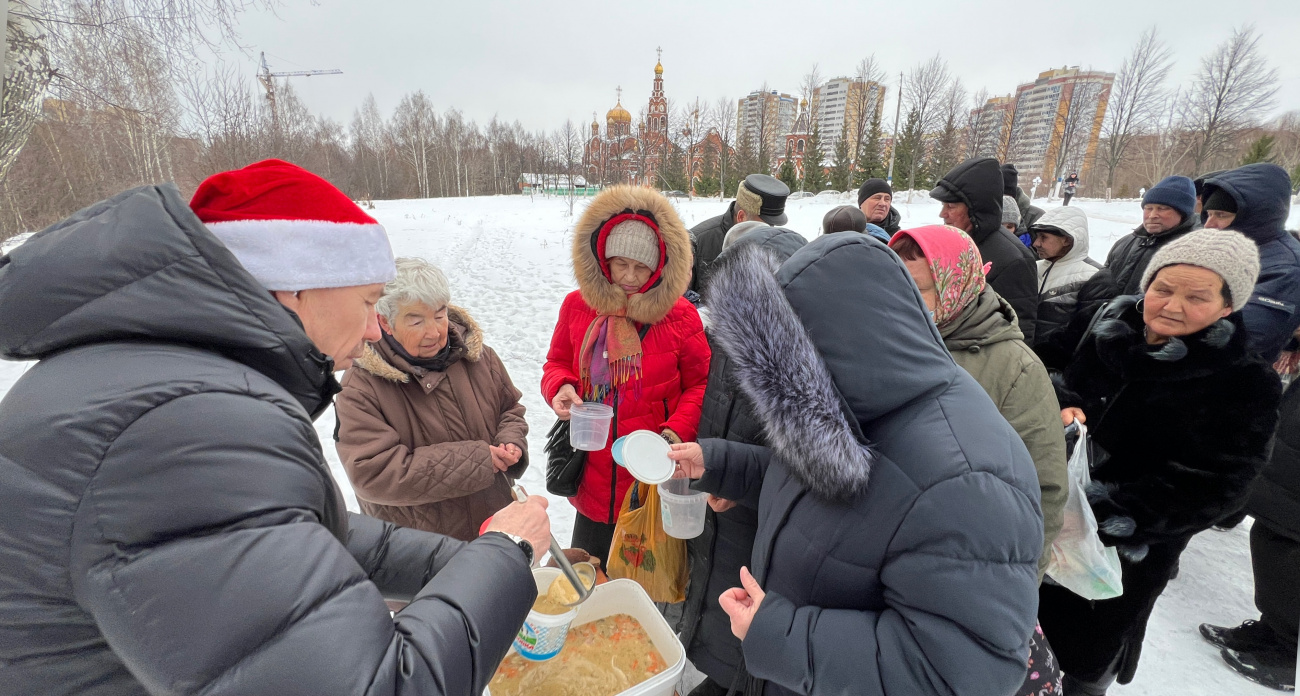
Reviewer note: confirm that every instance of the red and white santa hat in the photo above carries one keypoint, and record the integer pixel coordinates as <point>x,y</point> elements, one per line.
<point>292,229</point>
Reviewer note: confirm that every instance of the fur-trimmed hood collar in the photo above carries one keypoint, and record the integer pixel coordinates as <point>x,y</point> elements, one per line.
<point>840,317</point>
<point>674,272</point>
<point>1122,347</point>
<point>374,362</point>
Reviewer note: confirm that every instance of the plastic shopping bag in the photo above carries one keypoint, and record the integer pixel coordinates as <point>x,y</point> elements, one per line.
<point>643,552</point>
<point>1080,562</point>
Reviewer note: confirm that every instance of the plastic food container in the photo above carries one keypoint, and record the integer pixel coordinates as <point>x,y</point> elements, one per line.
<point>682,509</point>
<point>542,636</point>
<point>589,426</point>
<point>645,455</point>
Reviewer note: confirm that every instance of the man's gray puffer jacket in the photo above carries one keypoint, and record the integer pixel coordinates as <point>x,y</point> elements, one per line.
<point>906,566</point>
<point>168,522</point>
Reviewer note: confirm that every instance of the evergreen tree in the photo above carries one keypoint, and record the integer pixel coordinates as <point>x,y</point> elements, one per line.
<point>870,163</point>
<point>788,175</point>
<point>842,164</point>
<point>672,170</point>
<point>763,164</point>
<point>707,184</point>
<point>909,157</point>
<point>814,179</point>
<point>1260,151</point>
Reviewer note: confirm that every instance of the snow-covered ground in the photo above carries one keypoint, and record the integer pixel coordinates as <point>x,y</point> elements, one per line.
<point>508,262</point>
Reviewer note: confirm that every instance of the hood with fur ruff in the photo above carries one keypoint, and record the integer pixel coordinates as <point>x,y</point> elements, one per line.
<point>671,278</point>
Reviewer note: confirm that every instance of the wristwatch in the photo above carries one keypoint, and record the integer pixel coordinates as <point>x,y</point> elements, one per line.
<point>523,544</point>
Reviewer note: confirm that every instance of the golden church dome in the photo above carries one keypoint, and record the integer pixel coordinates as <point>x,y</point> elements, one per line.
<point>618,114</point>
<point>659,68</point>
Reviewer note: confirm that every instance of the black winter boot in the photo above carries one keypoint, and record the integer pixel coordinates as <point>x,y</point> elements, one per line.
<point>1249,636</point>
<point>1273,668</point>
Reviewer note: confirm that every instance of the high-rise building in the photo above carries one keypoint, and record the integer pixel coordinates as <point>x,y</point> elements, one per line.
<point>1057,122</point>
<point>842,100</point>
<point>990,125</point>
<point>766,117</point>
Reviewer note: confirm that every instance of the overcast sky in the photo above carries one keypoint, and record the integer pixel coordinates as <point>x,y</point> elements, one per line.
<point>542,62</point>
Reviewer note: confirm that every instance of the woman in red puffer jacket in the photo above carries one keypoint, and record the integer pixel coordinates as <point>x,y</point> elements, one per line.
<point>632,260</point>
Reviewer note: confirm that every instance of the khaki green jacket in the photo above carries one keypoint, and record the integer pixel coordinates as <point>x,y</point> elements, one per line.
<point>984,340</point>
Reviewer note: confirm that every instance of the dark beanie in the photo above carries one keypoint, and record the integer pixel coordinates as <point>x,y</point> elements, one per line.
<point>1220,200</point>
<point>1010,180</point>
<point>845,218</point>
<point>871,187</point>
<point>1177,192</point>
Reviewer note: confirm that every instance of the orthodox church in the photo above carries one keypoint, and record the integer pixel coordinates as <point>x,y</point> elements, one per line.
<point>624,154</point>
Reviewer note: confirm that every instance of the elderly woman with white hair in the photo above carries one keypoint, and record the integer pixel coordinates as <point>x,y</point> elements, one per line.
<point>431,431</point>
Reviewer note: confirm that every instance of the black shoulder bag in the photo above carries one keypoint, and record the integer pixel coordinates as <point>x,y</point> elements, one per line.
<point>564,464</point>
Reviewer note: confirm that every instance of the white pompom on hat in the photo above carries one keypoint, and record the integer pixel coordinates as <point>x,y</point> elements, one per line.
<point>1230,254</point>
<point>293,230</point>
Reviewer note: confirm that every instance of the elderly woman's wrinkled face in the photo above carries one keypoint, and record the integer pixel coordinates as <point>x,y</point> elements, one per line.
<point>628,275</point>
<point>419,328</point>
<point>1183,299</point>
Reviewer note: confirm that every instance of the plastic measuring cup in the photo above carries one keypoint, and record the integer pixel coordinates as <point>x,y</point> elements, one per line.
<point>645,455</point>
<point>543,635</point>
<point>589,426</point>
<point>681,508</point>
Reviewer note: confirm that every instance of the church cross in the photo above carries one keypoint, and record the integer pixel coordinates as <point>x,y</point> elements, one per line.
<point>660,51</point>
<point>620,94</point>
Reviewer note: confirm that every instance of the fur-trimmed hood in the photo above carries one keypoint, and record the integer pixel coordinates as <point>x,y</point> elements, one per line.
<point>797,344</point>
<point>674,266</point>
<point>460,321</point>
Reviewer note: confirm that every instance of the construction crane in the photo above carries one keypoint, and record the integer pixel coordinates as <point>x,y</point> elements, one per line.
<point>267,78</point>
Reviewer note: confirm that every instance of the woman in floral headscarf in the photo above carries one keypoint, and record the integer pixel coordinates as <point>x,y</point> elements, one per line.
<point>980,331</point>
<point>626,338</point>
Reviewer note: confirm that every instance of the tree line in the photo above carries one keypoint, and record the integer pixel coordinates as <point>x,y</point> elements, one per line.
<point>103,95</point>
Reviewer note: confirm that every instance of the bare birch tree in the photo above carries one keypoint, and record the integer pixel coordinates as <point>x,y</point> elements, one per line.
<point>1234,88</point>
<point>923,92</point>
<point>863,102</point>
<point>1135,99</point>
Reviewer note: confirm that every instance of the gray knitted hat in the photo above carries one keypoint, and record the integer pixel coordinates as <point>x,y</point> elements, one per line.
<point>634,240</point>
<point>1010,211</point>
<point>1230,254</point>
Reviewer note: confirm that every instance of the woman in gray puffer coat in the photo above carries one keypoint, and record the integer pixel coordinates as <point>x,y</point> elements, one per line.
<point>898,518</point>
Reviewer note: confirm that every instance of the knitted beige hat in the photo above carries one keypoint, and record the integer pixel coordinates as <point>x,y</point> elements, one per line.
<point>1230,254</point>
<point>634,240</point>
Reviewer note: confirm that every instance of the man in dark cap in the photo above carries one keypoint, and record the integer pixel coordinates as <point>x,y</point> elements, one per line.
<point>874,199</point>
<point>759,197</point>
<point>1029,213</point>
<point>972,202</point>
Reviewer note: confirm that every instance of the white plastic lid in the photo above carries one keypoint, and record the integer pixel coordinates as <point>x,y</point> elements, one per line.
<point>645,455</point>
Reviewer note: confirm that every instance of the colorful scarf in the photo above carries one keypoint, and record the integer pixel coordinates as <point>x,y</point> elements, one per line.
<point>956,265</point>
<point>610,360</point>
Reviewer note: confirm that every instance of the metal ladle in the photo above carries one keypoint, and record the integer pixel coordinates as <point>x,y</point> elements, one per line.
<point>570,570</point>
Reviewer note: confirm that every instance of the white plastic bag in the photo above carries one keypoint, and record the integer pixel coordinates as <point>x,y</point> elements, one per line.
<point>1080,562</point>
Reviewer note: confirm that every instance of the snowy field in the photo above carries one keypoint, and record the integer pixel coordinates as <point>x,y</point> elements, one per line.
<point>508,262</point>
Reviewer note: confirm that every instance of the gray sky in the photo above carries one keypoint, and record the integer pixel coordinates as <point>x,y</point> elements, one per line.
<point>542,62</point>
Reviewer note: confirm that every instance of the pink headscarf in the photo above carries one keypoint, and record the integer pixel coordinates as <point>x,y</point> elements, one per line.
<point>956,265</point>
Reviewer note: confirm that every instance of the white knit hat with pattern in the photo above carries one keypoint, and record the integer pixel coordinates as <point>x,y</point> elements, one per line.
<point>634,240</point>
<point>1230,254</point>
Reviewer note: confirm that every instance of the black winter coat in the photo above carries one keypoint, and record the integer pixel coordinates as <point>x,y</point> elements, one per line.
<point>706,243</point>
<point>717,555</point>
<point>1275,497</point>
<point>1129,257</point>
<point>1263,196</point>
<point>1180,431</point>
<point>908,565</point>
<point>978,183</point>
<point>170,524</point>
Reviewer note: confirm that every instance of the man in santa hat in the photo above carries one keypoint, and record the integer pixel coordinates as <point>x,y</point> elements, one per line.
<point>168,522</point>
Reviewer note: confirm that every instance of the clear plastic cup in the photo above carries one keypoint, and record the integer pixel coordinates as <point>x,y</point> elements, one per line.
<point>543,635</point>
<point>681,508</point>
<point>589,426</point>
